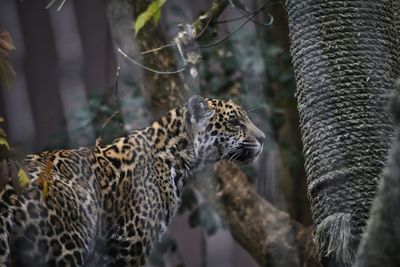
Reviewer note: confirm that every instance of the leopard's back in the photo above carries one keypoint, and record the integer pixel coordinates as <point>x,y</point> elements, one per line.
<point>54,220</point>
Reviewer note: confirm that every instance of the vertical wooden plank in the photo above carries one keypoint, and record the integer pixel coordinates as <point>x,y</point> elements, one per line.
<point>71,85</point>
<point>41,74</point>
<point>99,62</point>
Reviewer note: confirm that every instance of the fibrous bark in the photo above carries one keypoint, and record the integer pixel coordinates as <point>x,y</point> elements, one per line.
<point>381,239</point>
<point>396,11</point>
<point>344,61</point>
<point>381,242</point>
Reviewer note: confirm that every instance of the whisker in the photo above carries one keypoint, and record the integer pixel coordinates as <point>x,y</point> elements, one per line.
<point>251,109</point>
<point>235,155</point>
<point>229,150</point>
<point>238,154</point>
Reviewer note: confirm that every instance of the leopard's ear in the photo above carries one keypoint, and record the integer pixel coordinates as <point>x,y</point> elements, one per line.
<point>198,111</point>
<point>229,99</point>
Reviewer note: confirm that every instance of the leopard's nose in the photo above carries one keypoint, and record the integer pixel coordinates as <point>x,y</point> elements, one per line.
<point>260,138</point>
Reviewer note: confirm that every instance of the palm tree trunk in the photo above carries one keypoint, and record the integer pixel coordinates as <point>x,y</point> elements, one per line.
<point>381,241</point>
<point>344,60</point>
<point>381,244</point>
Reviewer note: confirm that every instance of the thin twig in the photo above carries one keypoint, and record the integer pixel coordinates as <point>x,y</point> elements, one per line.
<point>212,14</point>
<point>148,68</point>
<point>107,122</point>
<point>116,89</point>
<point>217,7</point>
<point>61,5</point>
<point>157,49</point>
<point>205,28</point>
<point>52,3</point>
<point>250,14</point>
<point>236,30</point>
<point>116,100</point>
<point>116,107</point>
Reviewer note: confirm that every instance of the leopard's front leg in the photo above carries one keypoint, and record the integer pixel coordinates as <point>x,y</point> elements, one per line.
<point>144,201</point>
<point>127,245</point>
<point>134,231</point>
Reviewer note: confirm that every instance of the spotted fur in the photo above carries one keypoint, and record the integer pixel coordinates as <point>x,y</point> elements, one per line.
<point>109,204</point>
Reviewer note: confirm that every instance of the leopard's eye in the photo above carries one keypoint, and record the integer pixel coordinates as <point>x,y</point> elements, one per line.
<point>235,122</point>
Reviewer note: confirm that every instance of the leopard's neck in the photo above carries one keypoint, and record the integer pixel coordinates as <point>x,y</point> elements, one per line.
<point>172,141</point>
<point>167,141</point>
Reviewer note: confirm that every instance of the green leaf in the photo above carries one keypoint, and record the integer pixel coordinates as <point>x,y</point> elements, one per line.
<point>3,142</point>
<point>23,179</point>
<point>152,11</point>
<point>157,16</point>
<point>2,133</point>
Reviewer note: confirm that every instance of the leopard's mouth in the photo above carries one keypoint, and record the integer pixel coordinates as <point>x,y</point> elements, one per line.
<point>245,153</point>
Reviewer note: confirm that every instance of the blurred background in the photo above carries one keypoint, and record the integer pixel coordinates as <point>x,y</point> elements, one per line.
<point>64,95</point>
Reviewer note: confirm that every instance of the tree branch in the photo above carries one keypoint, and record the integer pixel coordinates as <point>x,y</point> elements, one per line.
<point>268,234</point>
<point>209,17</point>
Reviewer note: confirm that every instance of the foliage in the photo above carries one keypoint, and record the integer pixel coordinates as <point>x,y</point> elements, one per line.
<point>11,170</point>
<point>153,11</point>
<point>7,73</point>
<point>189,200</point>
<point>23,179</point>
<point>205,216</point>
<point>4,146</point>
<point>8,166</point>
<point>102,115</point>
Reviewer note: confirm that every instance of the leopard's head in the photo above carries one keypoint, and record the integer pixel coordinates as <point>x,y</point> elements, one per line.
<point>222,130</point>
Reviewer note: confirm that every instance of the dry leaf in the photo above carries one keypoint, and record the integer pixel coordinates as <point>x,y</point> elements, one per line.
<point>6,42</point>
<point>14,176</point>
<point>7,73</point>
<point>45,178</point>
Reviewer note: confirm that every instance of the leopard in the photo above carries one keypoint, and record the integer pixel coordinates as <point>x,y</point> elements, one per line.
<point>109,204</point>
